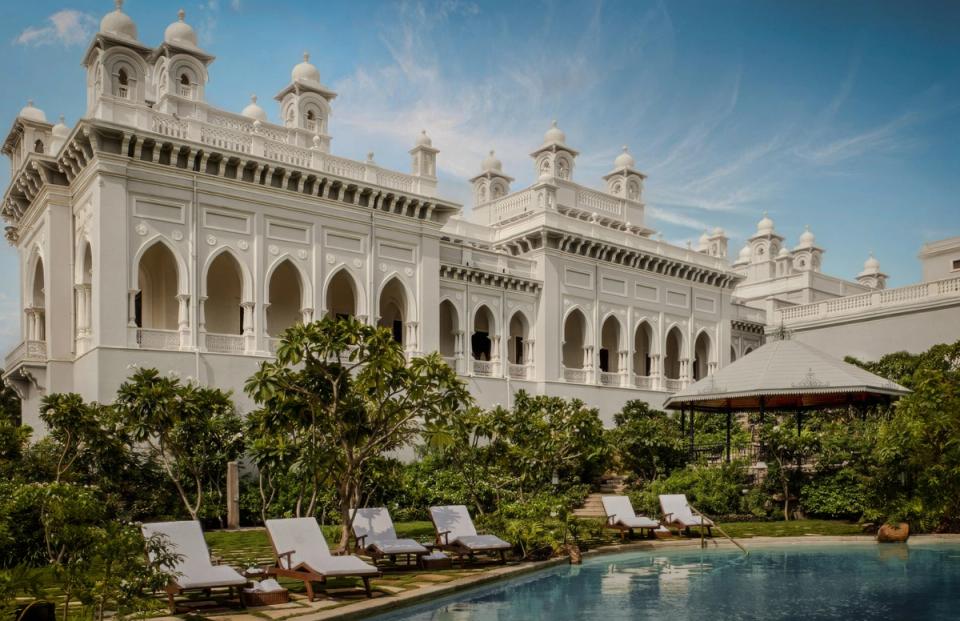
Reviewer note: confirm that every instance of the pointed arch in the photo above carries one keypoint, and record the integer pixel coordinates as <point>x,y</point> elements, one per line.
<point>158,282</point>
<point>284,297</point>
<point>702,354</point>
<point>83,288</point>
<point>224,294</point>
<point>611,335</point>
<point>306,289</point>
<point>449,327</point>
<point>643,349</point>
<point>673,352</point>
<point>484,329</point>
<point>519,335</point>
<point>246,280</point>
<point>342,294</point>
<point>576,337</point>
<point>181,265</point>
<point>393,307</point>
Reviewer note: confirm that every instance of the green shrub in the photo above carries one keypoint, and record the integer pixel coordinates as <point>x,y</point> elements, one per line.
<point>716,491</point>
<point>839,495</point>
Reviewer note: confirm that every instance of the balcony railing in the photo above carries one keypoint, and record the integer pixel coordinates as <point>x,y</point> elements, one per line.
<point>149,338</point>
<point>185,91</point>
<point>121,92</point>
<point>483,368</point>
<point>610,379</point>
<point>673,384</point>
<point>518,371</point>
<point>575,376</point>
<point>35,351</point>
<point>643,381</point>
<point>224,343</point>
<point>451,361</point>
<point>272,344</point>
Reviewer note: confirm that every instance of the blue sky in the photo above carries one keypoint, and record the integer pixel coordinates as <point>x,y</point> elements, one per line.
<point>841,115</point>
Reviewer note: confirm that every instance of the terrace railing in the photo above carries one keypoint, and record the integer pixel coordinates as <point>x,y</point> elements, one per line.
<point>149,338</point>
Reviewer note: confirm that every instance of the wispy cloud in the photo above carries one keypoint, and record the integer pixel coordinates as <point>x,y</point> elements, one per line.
<point>65,27</point>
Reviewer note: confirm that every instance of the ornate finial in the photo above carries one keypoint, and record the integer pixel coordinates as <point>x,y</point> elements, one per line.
<point>181,14</point>
<point>370,156</point>
<point>61,120</point>
<point>253,98</point>
<point>306,56</point>
<point>625,148</point>
<point>119,5</point>
<point>29,103</point>
<point>764,213</point>
<point>806,227</point>
<point>554,123</point>
<point>491,152</point>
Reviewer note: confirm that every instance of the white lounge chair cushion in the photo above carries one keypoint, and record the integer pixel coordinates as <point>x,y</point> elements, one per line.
<point>194,571</point>
<point>373,523</point>
<point>638,522</point>
<point>482,542</point>
<point>621,510</point>
<point>453,519</point>
<point>398,546</point>
<point>304,538</point>
<point>676,510</point>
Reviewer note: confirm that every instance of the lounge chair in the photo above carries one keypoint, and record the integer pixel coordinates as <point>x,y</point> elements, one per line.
<point>620,516</point>
<point>301,553</point>
<point>677,512</point>
<point>374,534</point>
<point>195,571</point>
<point>456,533</point>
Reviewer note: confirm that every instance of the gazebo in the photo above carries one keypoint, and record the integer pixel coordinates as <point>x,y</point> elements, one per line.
<point>782,376</point>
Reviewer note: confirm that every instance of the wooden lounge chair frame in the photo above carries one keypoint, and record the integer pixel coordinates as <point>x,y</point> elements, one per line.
<point>307,574</point>
<point>611,523</point>
<point>442,541</point>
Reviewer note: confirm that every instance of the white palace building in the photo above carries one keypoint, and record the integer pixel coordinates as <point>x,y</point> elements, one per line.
<point>161,231</point>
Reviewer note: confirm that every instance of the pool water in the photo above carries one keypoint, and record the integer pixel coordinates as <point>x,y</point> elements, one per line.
<point>836,581</point>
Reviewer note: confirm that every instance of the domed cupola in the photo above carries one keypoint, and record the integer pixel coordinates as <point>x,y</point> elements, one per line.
<point>871,276</point>
<point>180,33</point>
<point>703,244</point>
<point>423,140</point>
<point>806,238</point>
<point>624,160</point>
<point>765,226</point>
<point>254,111</point>
<point>744,256</point>
<point>305,71</point>
<point>32,113</point>
<point>554,135</point>
<point>118,24</point>
<point>554,159</point>
<point>60,130</point>
<point>491,163</point>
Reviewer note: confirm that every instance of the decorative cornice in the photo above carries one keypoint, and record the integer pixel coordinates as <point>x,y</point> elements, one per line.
<point>473,275</point>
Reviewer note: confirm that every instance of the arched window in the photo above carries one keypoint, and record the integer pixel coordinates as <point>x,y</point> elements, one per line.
<point>481,341</point>
<point>701,359</point>
<point>122,88</point>
<point>84,295</point>
<point>671,362</point>
<point>222,309</point>
<point>341,296</point>
<point>38,146</point>
<point>311,122</point>
<point>122,77</point>
<point>733,354</point>
<point>185,87</point>
<point>37,311</point>
<point>285,296</point>
<point>610,346</point>
<point>642,342</point>
<point>449,326</point>
<point>393,306</point>
<point>156,304</point>
<point>519,330</point>
<point>574,340</point>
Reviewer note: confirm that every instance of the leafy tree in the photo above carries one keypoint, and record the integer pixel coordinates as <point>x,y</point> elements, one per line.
<point>647,442</point>
<point>73,424</point>
<point>191,431</point>
<point>9,405</point>
<point>788,448</point>
<point>345,393</point>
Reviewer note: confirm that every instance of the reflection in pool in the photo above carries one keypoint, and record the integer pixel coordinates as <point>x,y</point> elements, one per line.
<point>838,581</point>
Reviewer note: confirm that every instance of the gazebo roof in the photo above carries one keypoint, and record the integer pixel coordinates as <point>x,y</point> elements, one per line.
<point>786,375</point>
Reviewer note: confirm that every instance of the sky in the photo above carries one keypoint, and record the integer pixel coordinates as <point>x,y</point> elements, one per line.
<point>844,116</point>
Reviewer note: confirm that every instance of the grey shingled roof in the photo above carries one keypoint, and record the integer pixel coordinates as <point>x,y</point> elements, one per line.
<point>786,374</point>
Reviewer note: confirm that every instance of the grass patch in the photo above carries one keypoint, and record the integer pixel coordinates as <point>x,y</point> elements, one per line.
<point>795,528</point>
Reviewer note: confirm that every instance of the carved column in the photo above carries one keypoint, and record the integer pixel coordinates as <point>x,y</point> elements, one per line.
<point>249,337</point>
<point>183,320</point>
<point>132,308</point>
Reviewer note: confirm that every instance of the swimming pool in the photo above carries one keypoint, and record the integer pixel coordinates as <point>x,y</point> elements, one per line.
<point>835,581</point>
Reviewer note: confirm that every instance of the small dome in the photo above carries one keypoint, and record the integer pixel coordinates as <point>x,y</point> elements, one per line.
<point>423,140</point>
<point>491,163</point>
<point>704,239</point>
<point>624,160</point>
<point>806,238</point>
<point>180,32</point>
<point>745,254</point>
<point>765,225</point>
<point>305,71</point>
<point>253,111</point>
<point>783,252</point>
<point>719,232</point>
<point>118,24</point>
<point>33,114</point>
<point>554,134</point>
<point>60,130</point>
<point>871,264</point>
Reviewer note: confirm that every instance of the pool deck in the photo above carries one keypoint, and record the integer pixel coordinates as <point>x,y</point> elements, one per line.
<point>315,611</point>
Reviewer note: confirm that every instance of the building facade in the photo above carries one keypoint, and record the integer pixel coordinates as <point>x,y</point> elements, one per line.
<point>161,231</point>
